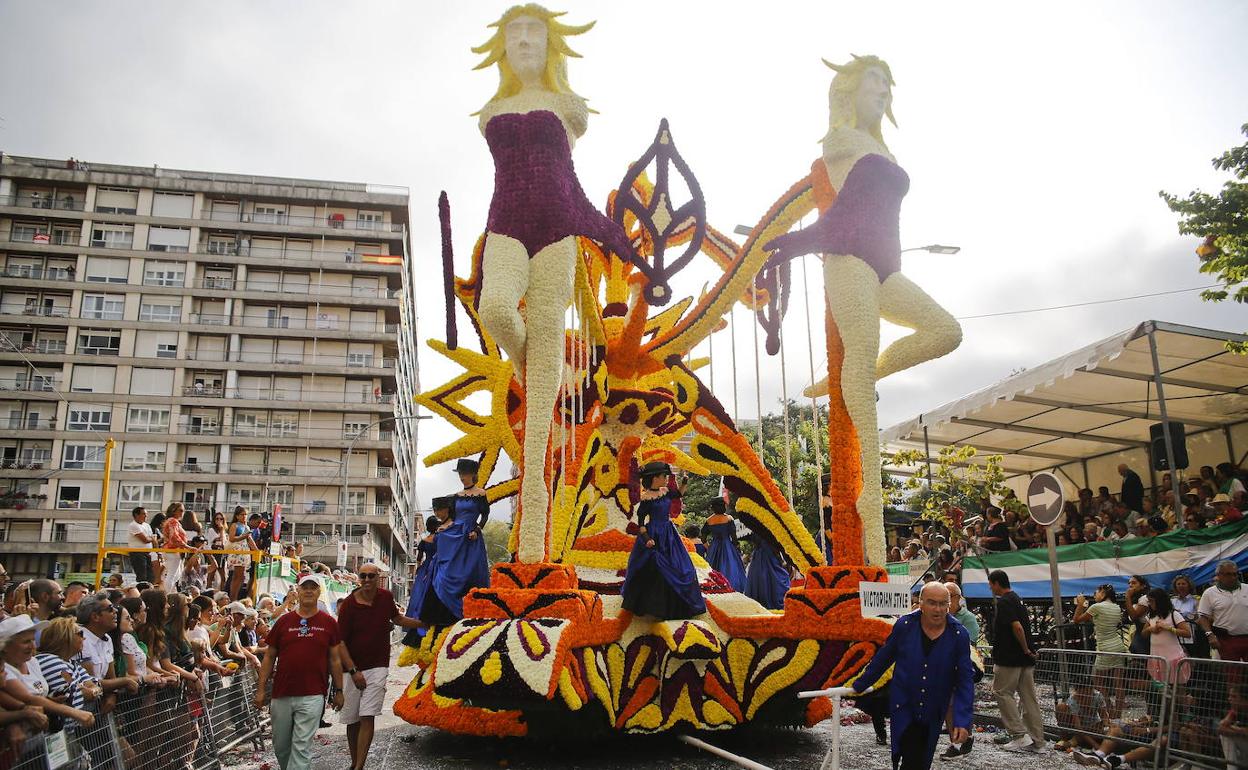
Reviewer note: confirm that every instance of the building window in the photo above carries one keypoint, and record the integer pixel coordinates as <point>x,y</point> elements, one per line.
<point>177,205</point>
<point>151,460</point>
<point>160,313</point>
<point>84,457</point>
<point>112,237</point>
<point>27,232</point>
<point>105,270</point>
<point>99,343</point>
<point>103,307</point>
<point>69,497</point>
<point>368,220</point>
<point>168,239</point>
<point>90,419</point>
<point>149,496</point>
<point>148,420</point>
<point>273,215</point>
<point>353,429</point>
<point>110,200</point>
<point>164,274</point>
<point>166,350</point>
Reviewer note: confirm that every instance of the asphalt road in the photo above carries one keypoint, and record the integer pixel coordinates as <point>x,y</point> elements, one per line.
<point>401,746</point>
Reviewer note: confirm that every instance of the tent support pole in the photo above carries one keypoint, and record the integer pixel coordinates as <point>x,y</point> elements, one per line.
<point>1165,418</point>
<point>927,454</point>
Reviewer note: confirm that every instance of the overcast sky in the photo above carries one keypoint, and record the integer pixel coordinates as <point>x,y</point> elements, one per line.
<point>1036,136</point>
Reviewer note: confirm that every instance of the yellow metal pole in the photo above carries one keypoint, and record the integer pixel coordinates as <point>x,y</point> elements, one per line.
<point>108,469</point>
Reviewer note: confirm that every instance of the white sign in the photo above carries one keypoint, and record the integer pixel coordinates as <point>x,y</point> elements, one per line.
<point>57,748</point>
<point>343,548</point>
<point>884,599</point>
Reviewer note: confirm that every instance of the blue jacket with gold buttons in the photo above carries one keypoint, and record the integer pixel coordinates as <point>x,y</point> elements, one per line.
<point>923,685</point>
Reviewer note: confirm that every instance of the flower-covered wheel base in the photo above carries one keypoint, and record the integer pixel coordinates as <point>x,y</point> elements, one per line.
<point>535,653</point>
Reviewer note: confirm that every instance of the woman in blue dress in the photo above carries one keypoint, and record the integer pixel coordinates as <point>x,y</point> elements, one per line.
<point>660,580</point>
<point>459,564</point>
<point>825,513</point>
<point>425,551</point>
<point>725,554</point>
<point>767,579</point>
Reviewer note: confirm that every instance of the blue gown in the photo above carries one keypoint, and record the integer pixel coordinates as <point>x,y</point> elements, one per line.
<point>420,589</point>
<point>661,581</point>
<point>767,579</point>
<point>460,563</point>
<point>725,554</point>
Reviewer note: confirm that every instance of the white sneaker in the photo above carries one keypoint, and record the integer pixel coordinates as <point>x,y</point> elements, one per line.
<point>1038,748</point>
<point>1019,744</point>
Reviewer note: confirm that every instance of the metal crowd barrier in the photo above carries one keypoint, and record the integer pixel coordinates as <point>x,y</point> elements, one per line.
<point>1209,698</point>
<point>155,729</point>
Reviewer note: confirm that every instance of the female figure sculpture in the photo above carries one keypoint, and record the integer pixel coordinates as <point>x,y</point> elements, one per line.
<point>536,215</point>
<point>858,238</point>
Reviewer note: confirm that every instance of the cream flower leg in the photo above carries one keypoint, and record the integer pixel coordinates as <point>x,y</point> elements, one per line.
<point>853,297</point>
<point>504,280</point>
<point>936,332</point>
<point>550,290</point>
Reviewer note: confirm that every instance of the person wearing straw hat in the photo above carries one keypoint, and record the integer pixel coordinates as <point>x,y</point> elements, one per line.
<point>304,646</point>
<point>930,652</point>
<point>660,580</point>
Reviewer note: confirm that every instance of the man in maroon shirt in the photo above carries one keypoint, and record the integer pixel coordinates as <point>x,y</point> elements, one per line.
<point>365,619</point>
<point>305,645</point>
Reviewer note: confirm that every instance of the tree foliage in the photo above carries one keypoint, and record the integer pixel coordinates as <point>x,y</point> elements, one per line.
<point>1222,220</point>
<point>958,481</point>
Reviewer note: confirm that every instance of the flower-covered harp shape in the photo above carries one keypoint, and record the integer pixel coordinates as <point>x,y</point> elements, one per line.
<point>657,218</point>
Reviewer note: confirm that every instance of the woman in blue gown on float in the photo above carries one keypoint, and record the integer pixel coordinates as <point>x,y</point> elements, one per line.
<point>767,578</point>
<point>661,581</point>
<point>426,549</point>
<point>724,554</point>
<point>460,563</point>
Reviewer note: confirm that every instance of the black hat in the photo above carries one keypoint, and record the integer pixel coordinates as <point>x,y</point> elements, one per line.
<point>718,505</point>
<point>445,501</point>
<point>655,468</point>
<point>826,481</point>
<point>465,465</point>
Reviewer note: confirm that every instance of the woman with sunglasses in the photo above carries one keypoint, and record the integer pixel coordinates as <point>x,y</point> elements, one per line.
<point>60,643</point>
<point>238,538</point>
<point>215,533</point>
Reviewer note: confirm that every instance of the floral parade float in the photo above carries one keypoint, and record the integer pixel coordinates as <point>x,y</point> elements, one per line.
<point>547,644</point>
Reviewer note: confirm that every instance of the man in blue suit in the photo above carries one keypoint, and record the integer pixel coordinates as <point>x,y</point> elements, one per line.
<point>931,655</point>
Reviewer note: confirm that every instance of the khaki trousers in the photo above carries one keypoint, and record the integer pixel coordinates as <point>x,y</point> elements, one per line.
<point>1008,681</point>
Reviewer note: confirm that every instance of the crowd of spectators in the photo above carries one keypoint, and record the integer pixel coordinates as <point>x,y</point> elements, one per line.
<point>146,655</point>
<point>1214,497</point>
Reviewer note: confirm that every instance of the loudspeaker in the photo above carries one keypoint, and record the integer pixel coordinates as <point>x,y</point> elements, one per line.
<point>1157,445</point>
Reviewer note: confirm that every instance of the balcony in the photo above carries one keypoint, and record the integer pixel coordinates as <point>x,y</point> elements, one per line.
<point>197,467</point>
<point>39,273</point>
<point>98,350</point>
<point>66,202</point>
<point>43,311</point>
<point>36,384</point>
<point>204,391</point>
<point>292,358</point>
<point>112,243</point>
<point>332,221</point>
<point>32,422</point>
<point>346,256</point>
<point>25,464</point>
<point>301,289</point>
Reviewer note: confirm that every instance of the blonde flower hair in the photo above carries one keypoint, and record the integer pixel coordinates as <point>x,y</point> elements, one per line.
<point>555,77</point>
<point>841,110</point>
<point>57,637</point>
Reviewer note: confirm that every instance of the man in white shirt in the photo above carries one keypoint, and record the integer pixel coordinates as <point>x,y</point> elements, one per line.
<point>1223,613</point>
<point>139,535</point>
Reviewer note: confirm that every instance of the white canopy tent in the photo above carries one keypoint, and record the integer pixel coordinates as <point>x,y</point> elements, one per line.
<point>1084,413</point>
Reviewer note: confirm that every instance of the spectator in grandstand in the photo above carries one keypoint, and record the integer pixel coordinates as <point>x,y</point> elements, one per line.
<point>1082,711</point>
<point>1142,529</point>
<point>932,670</point>
<point>1226,513</point>
<point>1132,494</point>
<point>1087,504</point>
<point>997,535</point>
<point>24,679</point>
<point>1227,480</point>
<point>1118,531</point>
<point>1193,521</point>
<point>1224,613</point>
<point>1014,674</point>
<point>304,646</point>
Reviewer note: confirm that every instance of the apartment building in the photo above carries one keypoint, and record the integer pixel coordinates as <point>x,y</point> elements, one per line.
<point>236,336</point>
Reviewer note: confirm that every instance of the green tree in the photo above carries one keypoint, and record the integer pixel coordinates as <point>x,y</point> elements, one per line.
<point>1222,220</point>
<point>806,461</point>
<point>957,480</point>
<point>496,533</point>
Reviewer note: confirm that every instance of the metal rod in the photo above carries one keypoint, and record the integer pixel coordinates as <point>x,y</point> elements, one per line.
<point>736,759</point>
<point>1165,417</point>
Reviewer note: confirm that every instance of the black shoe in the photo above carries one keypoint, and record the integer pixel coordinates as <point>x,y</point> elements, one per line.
<point>324,724</point>
<point>953,752</point>
<point>968,745</point>
<point>881,739</point>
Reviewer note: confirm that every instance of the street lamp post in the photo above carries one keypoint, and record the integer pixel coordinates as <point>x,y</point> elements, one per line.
<point>344,467</point>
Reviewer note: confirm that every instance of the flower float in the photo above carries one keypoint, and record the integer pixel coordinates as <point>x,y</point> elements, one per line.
<point>547,645</point>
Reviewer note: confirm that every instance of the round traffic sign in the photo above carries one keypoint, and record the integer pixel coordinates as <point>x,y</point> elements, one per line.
<point>1045,498</point>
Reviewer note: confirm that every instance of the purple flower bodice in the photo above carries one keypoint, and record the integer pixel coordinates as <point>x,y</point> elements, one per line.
<point>862,221</point>
<point>537,197</point>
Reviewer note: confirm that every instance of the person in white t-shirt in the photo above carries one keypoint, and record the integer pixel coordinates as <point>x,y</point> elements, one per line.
<point>23,677</point>
<point>139,535</point>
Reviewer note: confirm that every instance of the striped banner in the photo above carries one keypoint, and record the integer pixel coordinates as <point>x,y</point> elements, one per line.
<point>1082,568</point>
